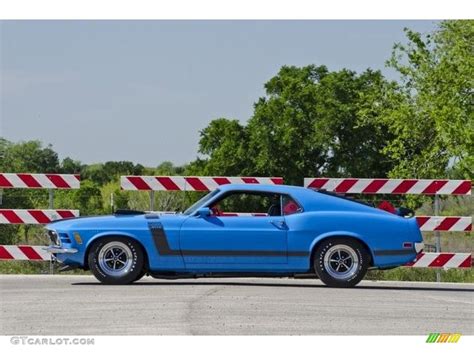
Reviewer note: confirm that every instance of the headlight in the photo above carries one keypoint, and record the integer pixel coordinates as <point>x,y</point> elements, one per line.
<point>54,238</point>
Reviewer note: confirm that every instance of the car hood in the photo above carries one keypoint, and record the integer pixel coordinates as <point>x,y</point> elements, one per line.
<point>111,221</point>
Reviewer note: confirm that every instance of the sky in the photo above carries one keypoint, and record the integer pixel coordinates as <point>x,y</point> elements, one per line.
<point>142,90</point>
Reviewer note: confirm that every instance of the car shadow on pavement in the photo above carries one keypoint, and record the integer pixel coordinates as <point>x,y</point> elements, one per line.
<point>276,285</point>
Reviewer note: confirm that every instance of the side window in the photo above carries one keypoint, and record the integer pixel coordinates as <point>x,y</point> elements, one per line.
<point>290,206</point>
<point>243,203</point>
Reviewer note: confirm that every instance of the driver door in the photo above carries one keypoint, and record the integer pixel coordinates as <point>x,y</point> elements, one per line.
<point>240,234</point>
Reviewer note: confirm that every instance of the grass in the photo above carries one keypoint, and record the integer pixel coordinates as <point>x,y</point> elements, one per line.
<point>422,274</point>
<point>33,268</point>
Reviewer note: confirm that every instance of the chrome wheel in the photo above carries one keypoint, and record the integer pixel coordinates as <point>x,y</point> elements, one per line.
<point>341,262</point>
<point>115,259</point>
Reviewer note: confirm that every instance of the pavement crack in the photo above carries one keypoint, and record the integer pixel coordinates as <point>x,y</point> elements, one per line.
<point>193,308</point>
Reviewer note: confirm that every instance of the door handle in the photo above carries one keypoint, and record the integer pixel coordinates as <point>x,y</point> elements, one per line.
<point>279,224</point>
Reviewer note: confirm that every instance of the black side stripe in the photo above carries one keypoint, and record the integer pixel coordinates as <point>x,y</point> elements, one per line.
<point>243,253</point>
<point>163,248</point>
<point>393,252</point>
<point>160,240</point>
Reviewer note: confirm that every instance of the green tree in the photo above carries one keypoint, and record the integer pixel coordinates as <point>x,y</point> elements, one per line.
<point>167,168</point>
<point>28,157</point>
<point>225,142</point>
<point>110,171</point>
<point>88,199</point>
<point>308,124</point>
<point>70,166</point>
<point>430,114</point>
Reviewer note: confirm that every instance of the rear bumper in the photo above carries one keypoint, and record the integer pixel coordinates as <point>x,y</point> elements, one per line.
<point>419,247</point>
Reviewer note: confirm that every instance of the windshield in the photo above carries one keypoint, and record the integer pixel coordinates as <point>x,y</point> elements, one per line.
<point>200,202</point>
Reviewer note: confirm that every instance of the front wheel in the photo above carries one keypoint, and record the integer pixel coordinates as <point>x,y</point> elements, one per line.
<point>341,262</point>
<point>116,261</point>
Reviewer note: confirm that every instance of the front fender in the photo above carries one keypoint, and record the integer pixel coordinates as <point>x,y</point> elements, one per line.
<point>110,233</point>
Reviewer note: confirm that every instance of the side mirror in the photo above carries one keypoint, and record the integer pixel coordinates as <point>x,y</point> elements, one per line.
<point>203,212</point>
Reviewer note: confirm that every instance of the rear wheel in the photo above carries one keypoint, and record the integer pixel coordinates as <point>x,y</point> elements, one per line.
<point>341,262</point>
<point>116,261</point>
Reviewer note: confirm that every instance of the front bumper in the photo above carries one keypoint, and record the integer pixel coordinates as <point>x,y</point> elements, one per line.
<point>54,249</point>
<point>419,247</point>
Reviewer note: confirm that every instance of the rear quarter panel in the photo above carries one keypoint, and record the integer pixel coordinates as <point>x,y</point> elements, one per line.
<point>380,232</point>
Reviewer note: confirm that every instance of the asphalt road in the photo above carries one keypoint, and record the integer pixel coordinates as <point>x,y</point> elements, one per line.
<point>78,305</point>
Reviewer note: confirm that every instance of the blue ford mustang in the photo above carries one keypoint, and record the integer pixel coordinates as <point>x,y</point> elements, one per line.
<point>241,230</point>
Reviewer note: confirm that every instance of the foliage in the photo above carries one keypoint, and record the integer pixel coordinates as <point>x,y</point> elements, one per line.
<point>111,170</point>
<point>69,166</point>
<point>113,197</point>
<point>430,113</point>
<point>29,157</point>
<point>308,124</point>
<point>225,141</point>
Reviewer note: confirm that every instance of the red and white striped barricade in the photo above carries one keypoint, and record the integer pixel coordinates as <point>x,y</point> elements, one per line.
<point>34,216</point>
<point>39,181</point>
<point>434,187</point>
<point>189,183</point>
<point>445,224</point>
<point>20,216</point>
<point>24,252</point>
<point>391,186</point>
<point>442,260</point>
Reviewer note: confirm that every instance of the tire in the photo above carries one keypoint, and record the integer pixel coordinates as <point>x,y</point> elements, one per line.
<point>116,260</point>
<point>341,262</point>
